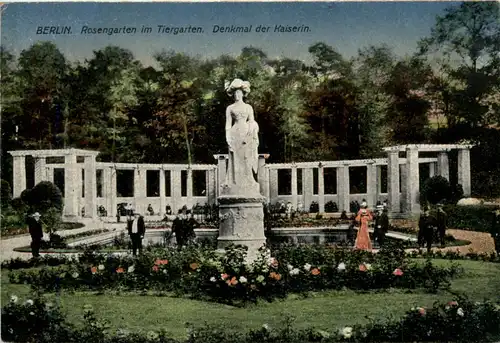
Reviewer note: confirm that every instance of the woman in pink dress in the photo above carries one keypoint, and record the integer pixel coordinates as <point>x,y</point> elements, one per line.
<point>363,241</point>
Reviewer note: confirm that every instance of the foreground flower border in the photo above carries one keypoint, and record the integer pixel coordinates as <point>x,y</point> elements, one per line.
<point>202,273</point>
<point>458,320</point>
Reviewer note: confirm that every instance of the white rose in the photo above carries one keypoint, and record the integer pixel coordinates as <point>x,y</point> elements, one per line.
<point>341,266</point>
<point>101,267</point>
<point>368,266</point>
<point>213,279</point>
<point>290,267</point>
<point>29,302</point>
<point>32,313</point>
<point>14,299</point>
<point>295,271</point>
<point>266,327</point>
<point>131,269</point>
<point>164,271</point>
<point>243,279</point>
<point>347,332</point>
<point>75,275</point>
<point>307,267</point>
<point>460,312</point>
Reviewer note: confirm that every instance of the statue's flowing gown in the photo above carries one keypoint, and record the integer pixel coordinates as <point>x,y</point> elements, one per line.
<point>243,159</point>
<point>363,241</point>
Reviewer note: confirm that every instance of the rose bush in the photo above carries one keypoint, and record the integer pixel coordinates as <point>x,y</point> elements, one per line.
<point>203,273</point>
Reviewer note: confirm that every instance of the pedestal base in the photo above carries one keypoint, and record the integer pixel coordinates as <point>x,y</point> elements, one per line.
<point>242,223</point>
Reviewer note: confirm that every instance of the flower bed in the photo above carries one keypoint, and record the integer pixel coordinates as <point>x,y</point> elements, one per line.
<point>458,320</point>
<point>8,232</point>
<point>205,274</point>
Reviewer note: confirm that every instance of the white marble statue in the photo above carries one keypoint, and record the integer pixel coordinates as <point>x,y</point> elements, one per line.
<point>243,141</point>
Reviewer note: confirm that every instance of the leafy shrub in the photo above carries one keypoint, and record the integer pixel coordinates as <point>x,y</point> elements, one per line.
<point>18,205</point>
<point>473,218</point>
<point>458,320</point>
<point>354,206</point>
<point>314,207</point>
<point>5,193</point>
<point>331,207</point>
<point>435,189</point>
<point>43,196</point>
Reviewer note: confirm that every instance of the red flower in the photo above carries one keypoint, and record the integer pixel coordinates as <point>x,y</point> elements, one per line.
<point>119,270</point>
<point>194,266</point>
<point>362,268</point>
<point>93,270</point>
<point>161,262</point>
<point>315,271</point>
<point>155,268</point>
<point>232,282</point>
<point>397,272</point>
<point>453,303</point>
<point>421,310</point>
<point>275,276</point>
<point>224,276</point>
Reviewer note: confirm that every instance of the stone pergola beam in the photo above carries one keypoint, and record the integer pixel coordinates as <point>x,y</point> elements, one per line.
<point>349,163</point>
<point>150,166</point>
<point>428,147</point>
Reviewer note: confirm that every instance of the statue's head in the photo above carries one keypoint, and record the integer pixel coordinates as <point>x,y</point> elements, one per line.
<point>237,89</point>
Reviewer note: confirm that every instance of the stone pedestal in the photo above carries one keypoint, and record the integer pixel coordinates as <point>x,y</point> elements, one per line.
<point>242,223</point>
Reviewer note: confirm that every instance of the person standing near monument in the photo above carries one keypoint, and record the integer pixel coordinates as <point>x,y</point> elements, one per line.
<point>426,225</point>
<point>136,231</point>
<point>381,225</point>
<point>441,219</point>
<point>179,229</point>
<point>36,232</point>
<point>363,241</point>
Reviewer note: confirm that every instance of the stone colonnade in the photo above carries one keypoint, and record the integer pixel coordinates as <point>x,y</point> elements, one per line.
<point>81,169</point>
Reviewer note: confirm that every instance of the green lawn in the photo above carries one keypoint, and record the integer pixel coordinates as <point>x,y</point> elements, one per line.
<point>327,310</point>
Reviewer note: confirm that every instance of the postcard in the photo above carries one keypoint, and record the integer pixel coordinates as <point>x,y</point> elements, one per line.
<point>250,171</point>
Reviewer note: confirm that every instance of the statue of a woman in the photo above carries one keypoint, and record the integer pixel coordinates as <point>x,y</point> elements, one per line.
<point>242,136</point>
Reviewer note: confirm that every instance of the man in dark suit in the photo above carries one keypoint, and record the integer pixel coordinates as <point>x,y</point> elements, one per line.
<point>426,225</point>
<point>381,225</point>
<point>179,229</point>
<point>136,230</point>
<point>36,232</point>
<point>441,218</point>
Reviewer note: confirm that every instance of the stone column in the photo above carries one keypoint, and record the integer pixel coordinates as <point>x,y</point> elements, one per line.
<point>393,181</point>
<point>321,189</point>
<point>189,188</point>
<point>464,171</point>
<point>40,171</point>
<point>371,184</point>
<point>294,186</point>
<point>140,188</point>
<point>72,186</point>
<point>112,191</point>
<point>162,195</point>
<point>50,174</point>
<point>307,187</point>
<point>379,181</point>
<point>175,186</point>
<point>412,181</point>
<point>443,165</point>
<point>273,185</point>
<point>343,190</point>
<point>263,176</point>
<point>432,169</point>
<point>221,172</point>
<point>19,175</point>
<point>403,176</point>
<point>212,195</point>
<point>90,187</point>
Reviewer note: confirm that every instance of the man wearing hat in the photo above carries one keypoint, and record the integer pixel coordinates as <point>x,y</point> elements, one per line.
<point>381,225</point>
<point>441,218</point>
<point>426,226</point>
<point>36,232</point>
<point>179,227</point>
<point>136,230</point>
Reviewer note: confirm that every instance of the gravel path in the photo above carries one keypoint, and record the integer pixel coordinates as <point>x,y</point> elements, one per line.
<point>8,245</point>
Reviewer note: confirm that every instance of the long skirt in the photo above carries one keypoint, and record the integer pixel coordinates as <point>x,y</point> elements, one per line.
<point>363,241</point>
